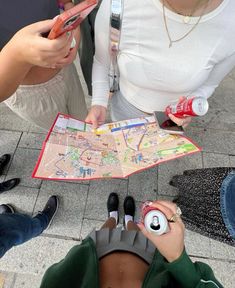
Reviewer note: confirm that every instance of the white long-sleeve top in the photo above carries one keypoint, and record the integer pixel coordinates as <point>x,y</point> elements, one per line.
<point>152,75</point>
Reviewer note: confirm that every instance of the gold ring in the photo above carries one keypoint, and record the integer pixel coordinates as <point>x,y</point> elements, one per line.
<point>173,218</point>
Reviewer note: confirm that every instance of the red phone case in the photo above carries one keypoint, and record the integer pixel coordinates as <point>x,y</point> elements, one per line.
<point>71,18</point>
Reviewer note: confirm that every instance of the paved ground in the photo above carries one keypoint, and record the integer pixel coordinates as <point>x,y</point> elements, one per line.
<point>82,204</point>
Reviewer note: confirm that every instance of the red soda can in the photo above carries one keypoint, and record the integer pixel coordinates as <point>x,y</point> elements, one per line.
<point>153,219</point>
<point>196,106</point>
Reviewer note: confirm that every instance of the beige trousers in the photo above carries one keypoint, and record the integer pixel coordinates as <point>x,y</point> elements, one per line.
<point>40,103</point>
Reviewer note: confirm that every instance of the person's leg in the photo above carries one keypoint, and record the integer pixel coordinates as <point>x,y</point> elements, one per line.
<point>112,207</point>
<point>40,103</point>
<point>109,223</point>
<point>131,225</point>
<point>16,228</point>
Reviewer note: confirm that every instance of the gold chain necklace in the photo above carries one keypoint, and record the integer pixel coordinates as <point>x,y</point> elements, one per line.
<point>185,35</point>
<point>186,18</point>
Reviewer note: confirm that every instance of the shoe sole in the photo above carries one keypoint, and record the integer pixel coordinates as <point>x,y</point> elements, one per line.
<point>49,224</point>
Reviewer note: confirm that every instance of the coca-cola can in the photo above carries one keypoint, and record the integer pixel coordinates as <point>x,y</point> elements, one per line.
<point>154,220</point>
<point>196,106</point>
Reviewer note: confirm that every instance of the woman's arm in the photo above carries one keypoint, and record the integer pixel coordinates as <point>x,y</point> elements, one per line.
<point>26,49</point>
<point>101,67</point>
<point>217,75</point>
<point>177,262</point>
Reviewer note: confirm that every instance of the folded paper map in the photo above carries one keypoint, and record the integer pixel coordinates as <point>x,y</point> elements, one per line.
<point>72,150</point>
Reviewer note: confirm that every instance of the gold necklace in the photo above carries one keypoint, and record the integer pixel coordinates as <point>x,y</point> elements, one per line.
<point>185,35</point>
<point>186,18</point>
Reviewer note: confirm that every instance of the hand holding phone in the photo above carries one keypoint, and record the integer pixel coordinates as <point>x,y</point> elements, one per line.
<point>70,19</point>
<point>166,124</point>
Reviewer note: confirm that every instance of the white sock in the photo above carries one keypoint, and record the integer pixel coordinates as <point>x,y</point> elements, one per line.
<point>127,219</point>
<point>114,214</point>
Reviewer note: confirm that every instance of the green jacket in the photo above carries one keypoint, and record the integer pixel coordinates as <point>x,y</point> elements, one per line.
<point>79,269</point>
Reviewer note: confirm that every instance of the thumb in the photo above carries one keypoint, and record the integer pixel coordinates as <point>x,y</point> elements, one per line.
<point>173,118</point>
<point>142,229</point>
<point>95,123</point>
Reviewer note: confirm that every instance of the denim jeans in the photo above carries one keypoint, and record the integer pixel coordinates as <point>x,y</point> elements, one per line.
<point>227,203</point>
<point>16,229</point>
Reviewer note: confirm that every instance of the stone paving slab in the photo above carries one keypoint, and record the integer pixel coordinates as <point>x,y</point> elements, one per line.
<point>9,279</point>
<point>215,160</point>
<point>221,114</point>
<point>197,245</point>
<point>31,140</point>
<point>232,160</point>
<point>88,225</point>
<point>22,198</point>
<point>27,281</point>
<point>98,194</point>
<point>177,166</point>
<point>72,202</point>
<point>213,140</point>
<point>143,185</point>
<point>8,143</point>
<point>222,251</point>
<point>10,121</point>
<point>22,166</point>
<point>36,255</point>
<point>35,129</point>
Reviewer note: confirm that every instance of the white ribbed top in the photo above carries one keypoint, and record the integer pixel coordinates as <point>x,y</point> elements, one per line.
<point>154,75</point>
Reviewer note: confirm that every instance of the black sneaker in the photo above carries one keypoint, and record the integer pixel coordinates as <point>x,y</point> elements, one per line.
<point>9,184</point>
<point>112,203</point>
<point>129,206</point>
<point>7,208</point>
<point>4,160</point>
<point>51,208</point>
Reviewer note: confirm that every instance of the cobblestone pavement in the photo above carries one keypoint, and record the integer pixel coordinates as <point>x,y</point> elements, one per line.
<point>83,204</point>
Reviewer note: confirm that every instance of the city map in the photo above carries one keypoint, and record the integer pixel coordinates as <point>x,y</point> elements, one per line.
<point>73,150</point>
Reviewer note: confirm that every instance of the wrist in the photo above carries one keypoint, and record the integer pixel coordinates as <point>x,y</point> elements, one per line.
<point>95,106</point>
<point>173,258</point>
<point>15,57</point>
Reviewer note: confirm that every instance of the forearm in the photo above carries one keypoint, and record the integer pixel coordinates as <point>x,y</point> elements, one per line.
<point>192,275</point>
<point>101,63</point>
<point>218,73</point>
<point>12,72</point>
<point>100,84</point>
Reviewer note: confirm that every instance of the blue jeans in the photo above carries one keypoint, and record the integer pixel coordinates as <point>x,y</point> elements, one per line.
<point>227,203</point>
<point>16,229</point>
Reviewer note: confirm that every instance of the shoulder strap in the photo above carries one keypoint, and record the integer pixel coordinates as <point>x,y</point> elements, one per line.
<point>115,32</point>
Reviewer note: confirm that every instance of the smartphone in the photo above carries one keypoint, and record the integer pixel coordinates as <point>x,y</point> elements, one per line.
<point>71,18</point>
<point>166,124</point>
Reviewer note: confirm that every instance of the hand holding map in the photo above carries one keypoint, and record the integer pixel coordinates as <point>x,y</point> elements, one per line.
<point>74,151</point>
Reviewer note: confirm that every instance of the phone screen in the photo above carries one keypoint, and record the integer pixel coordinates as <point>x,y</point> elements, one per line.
<point>166,124</point>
